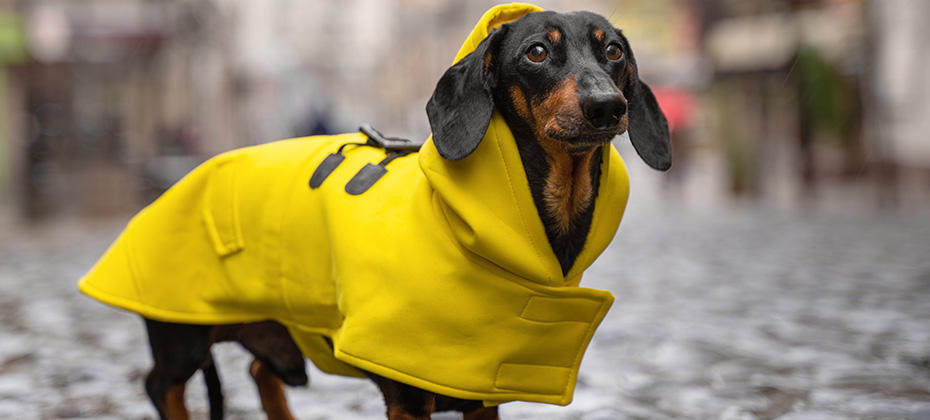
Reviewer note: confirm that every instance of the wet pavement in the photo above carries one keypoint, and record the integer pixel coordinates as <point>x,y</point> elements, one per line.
<point>739,314</point>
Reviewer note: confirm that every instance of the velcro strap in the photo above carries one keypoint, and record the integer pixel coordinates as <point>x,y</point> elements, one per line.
<point>327,167</point>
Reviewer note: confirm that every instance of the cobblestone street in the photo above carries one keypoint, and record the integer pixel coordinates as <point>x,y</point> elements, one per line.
<point>739,315</point>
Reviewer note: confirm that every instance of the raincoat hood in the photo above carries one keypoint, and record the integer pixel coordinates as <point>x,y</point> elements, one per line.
<point>475,214</point>
<point>440,275</point>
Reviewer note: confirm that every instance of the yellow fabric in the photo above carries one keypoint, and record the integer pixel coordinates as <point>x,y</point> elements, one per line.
<point>440,276</point>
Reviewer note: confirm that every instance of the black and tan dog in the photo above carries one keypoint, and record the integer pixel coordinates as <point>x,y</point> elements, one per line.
<point>566,85</point>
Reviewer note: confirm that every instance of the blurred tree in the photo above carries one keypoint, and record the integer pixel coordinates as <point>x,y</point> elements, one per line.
<point>12,50</point>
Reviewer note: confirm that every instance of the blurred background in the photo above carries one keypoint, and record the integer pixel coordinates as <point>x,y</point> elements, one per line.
<point>108,102</point>
<point>778,270</point>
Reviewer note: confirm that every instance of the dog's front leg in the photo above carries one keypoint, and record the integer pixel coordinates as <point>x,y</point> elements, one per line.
<point>168,398</point>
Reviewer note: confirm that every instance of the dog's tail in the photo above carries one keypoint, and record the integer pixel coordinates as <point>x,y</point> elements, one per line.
<point>214,389</point>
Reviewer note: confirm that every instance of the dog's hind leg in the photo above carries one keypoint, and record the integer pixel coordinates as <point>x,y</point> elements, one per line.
<point>484,413</point>
<point>271,390</point>
<point>278,361</point>
<point>271,343</point>
<point>168,399</point>
<point>178,350</point>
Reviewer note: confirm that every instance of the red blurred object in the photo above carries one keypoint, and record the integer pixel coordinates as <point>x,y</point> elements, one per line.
<point>678,105</point>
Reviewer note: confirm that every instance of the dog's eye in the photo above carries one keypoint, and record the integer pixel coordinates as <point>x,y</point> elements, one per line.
<point>537,53</point>
<point>614,52</point>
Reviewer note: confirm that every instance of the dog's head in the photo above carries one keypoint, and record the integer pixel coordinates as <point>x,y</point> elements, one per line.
<point>570,78</point>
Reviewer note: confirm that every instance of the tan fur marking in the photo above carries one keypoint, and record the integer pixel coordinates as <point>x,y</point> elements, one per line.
<point>397,413</point>
<point>599,34</point>
<point>624,123</point>
<point>487,63</point>
<point>519,102</point>
<point>630,73</point>
<point>568,188</point>
<point>555,36</point>
<point>552,112</point>
<point>174,403</point>
<point>631,79</point>
<point>271,390</point>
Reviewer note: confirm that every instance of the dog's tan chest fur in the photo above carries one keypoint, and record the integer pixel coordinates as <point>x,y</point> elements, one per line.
<point>568,190</point>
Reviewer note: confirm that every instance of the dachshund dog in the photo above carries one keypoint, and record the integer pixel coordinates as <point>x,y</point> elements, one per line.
<point>566,85</point>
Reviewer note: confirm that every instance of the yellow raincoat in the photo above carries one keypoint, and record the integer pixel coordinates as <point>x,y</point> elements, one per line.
<point>439,276</point>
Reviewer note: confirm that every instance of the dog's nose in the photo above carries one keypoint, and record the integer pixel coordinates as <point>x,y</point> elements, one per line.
<point>604,111</point>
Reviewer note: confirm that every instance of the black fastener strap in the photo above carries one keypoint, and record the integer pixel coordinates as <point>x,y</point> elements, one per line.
<point>375,138</point>
<point>365,178</point>
<point>370,174</point>
<point>328,166</point>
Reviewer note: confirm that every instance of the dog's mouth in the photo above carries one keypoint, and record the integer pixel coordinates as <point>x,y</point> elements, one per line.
<point>578,133</point>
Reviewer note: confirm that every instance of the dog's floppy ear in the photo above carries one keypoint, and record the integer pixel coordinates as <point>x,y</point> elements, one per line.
<point>648,127</point>
<point>460,109</point>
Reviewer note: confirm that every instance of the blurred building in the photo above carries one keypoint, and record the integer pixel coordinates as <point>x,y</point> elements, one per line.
<point>899,100</point>
<point>807,91</point>
<point>106,89</point>
<point>111,101</point>
<point>108,102</point>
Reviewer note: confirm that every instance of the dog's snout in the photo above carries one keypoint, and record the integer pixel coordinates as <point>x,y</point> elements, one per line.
<point>604,111</point>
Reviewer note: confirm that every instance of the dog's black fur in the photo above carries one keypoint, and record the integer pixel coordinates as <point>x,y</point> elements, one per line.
<point>566,85</point>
